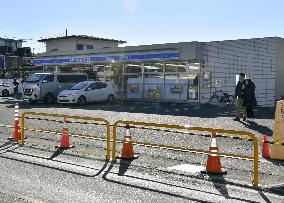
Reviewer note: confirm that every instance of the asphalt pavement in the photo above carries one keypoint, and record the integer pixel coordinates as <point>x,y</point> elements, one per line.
<point>39,153</point>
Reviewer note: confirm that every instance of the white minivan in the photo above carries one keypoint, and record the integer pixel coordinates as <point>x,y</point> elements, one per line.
<point>6,89</point>
<point>87,91</point>
<point>46,86</point>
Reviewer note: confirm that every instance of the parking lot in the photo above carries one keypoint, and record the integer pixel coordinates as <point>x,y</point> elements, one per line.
<point>190,114</point>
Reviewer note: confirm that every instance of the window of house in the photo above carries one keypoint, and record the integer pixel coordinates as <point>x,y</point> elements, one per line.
<point>90,46</point>
<point>79,47</point>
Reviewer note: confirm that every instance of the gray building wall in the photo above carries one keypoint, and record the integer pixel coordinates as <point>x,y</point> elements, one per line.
<point>257,58</point>
<point>280,69</point>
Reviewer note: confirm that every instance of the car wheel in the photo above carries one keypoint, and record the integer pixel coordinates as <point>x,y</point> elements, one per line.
<point>5,93</point>
<point>82,100</point>
<point>48,98</point>
<point>110,99</point>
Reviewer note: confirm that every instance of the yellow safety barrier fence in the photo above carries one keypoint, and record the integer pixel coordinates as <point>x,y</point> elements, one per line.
<point>260,141</point>
<point>71,117</point>
<point>255,181</point>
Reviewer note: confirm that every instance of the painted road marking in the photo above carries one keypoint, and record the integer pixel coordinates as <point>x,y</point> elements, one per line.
<point>188,168</point>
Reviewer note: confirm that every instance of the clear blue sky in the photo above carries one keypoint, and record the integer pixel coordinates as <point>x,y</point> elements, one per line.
<point>142,21</point>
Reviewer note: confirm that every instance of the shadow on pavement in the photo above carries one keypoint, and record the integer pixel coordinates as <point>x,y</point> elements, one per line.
<point>224,193</point>
<point>276,162</point>
<point>58,161</point>
<point>257,127</point>
<point>220,185</point>
<point>7,146</point>
<point>160,108</point>
<point>264,197</point>
<point>124,165</point>
<point>57,153</point>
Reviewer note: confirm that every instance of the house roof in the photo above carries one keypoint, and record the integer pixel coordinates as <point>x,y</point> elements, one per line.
<point>80,37</point>
<point>11,40</point>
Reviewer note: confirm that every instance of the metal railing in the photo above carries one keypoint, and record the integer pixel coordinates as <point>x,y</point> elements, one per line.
<point>107,124</point>
<point>255,181</point>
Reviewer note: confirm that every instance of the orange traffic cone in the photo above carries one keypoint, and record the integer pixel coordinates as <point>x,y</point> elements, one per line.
<point>65,143</point>
<point>265,147</point>
<point>127,148</point>
<point>213,162</point>
<point>16,134</point>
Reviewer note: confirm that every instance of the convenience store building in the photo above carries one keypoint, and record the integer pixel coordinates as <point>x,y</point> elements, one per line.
<point>177,72</point>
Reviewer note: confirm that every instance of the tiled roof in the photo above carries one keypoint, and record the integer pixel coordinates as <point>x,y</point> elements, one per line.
<point>80,37</point>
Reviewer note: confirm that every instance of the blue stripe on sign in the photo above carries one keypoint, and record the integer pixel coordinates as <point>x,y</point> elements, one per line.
<point>108,58</point>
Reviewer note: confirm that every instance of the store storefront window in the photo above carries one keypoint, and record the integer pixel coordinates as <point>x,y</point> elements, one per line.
<point>49,69</point>
<point>153,86</point>
<point>100,72</point>
<point>135,68</point>
<point>176,87</point>
<point>117,78</point>
<point>154,67</point>
<point>193,86</point>
<point>68,69</point>
<point>175,67</point>
<point>109,73</point>
<point>132,86</point>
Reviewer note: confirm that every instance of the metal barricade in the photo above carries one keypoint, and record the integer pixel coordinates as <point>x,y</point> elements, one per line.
<point>107,124</point>
<point>255,181</point>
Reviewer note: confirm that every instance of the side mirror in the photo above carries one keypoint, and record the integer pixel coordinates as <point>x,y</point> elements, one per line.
<point>44,81</point>
<point>88,89</point>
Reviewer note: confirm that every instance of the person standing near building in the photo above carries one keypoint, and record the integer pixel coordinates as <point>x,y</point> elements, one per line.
<point>239,95</point>
<point>16,86</point>
<point>249,100</point>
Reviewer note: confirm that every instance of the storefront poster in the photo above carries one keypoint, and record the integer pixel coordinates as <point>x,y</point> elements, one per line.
<point>153,91</point>
<point>132,88</point>
<point>176,89</point>
<point>206,76</point>
<point>206,80</point>
<point>218,83</point>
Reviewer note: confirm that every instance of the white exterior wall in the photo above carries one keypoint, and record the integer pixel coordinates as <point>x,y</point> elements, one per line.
<point>280,69</point>
<point>257,58</point>
<point>70,44</point>
<point>15,44</point>
<point>2,42</point>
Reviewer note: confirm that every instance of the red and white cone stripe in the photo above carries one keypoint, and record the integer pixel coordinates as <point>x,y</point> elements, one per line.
<point>16,112</point>
<point>213,147</point>
<point>127,135</point>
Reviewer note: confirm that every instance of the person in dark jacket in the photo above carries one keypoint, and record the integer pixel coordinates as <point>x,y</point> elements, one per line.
<point>239,95</point>
<point>249,100</point>
<point>16,86</point>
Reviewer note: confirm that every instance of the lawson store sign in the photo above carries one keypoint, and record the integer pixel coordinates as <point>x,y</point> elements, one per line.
<point>108,58</point>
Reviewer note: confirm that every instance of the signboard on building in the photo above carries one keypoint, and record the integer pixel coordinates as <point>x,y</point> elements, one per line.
<point>108,58</point>
<point>218,83</point>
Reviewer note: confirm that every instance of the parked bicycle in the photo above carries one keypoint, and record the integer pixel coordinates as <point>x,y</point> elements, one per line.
<point>220,97</point>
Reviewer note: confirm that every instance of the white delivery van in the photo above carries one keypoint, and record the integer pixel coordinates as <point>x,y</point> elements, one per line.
<point>46,86</point>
